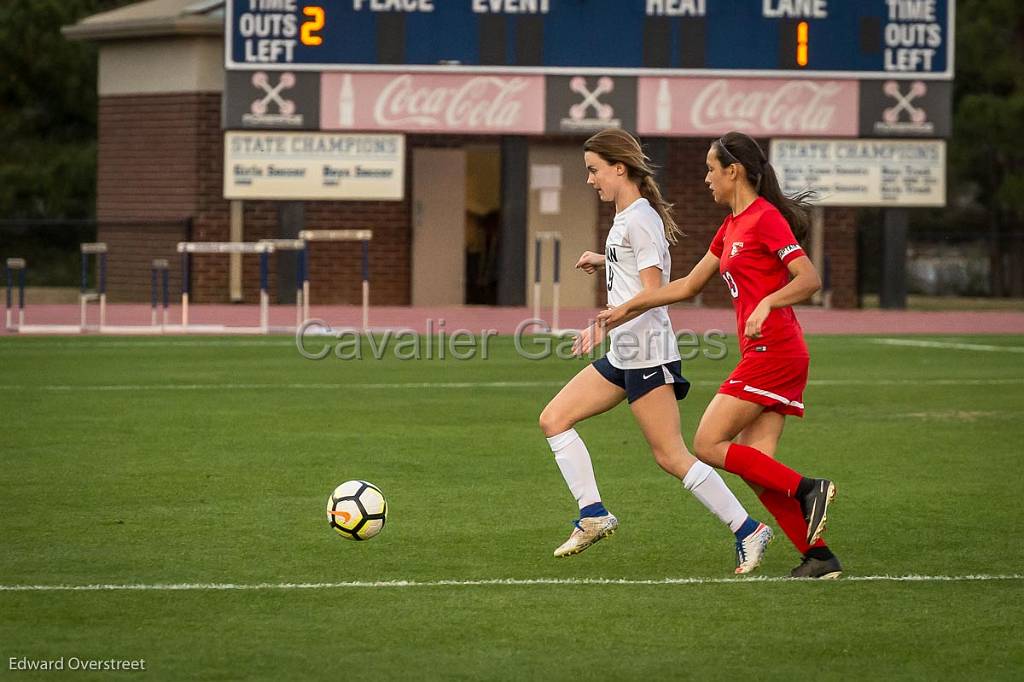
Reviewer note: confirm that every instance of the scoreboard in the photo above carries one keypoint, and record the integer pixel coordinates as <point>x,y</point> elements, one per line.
<point>901,39</point>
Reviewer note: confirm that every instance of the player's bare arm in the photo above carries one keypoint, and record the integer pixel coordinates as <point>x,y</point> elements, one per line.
<point>589,262</point>
<point>593,335</point>
<point>677,290</point>
<point>804,284</point>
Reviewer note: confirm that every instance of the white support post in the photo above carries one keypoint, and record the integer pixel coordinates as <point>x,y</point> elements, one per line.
<point>364,236</point>
<point>536,300</point>
<point>818,248</point>
<point>305,299</point>
<point>184,311</point>
<point>554,308</point>
<point>81,303</point>
<point>264,311</point>
<point>555,238</point>
<point>366,305</point>
<point>103,311</point>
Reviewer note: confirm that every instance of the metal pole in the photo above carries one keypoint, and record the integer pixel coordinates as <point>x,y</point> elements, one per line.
<point>536,278</point>
<point>10,283</point>
<point>264,296</point>
<point>21,296</point>
<point>167,298</point>
<point>103,289</point>
<point>305,284</point>
<point>555,285</point>
<point>299,277</point>
<point>184,290</point>
<point>152,295</point>
<point>366,285</point>
<point>85,285</point>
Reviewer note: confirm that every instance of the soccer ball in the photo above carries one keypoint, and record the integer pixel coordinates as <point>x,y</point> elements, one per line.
<point>357,510</point>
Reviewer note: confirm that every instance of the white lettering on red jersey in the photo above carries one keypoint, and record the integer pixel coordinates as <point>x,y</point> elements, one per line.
<point>756,268</point>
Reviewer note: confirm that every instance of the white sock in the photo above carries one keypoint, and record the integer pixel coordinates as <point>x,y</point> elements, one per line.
<point>708,487</point>
<point>574,462</point>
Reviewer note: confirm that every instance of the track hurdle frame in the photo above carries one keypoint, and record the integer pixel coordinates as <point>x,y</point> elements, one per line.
<point>538,246</point>
<point>10,265</point>
<point>301,289</point>
<point>186,249</point>
<point>364,236</point>
<point>160,268</point>
<point>99,250</point>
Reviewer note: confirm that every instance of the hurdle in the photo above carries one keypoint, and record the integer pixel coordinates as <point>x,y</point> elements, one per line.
<point>187,249</point>
<point>99,250</point>
<point>160,267</point>
<point>301,290</point>
<point>363,236</point>
<point>538,244</point>
<point>10,266</point>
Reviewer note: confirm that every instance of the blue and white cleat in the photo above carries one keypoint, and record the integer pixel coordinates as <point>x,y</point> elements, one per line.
<point>750,550</point>
<point>587,531</point>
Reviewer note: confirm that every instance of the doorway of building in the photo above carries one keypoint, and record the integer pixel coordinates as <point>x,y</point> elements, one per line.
<point>456,225</point>
<point>438,226</point>
<point>561,201</point>
<point>483,224</point>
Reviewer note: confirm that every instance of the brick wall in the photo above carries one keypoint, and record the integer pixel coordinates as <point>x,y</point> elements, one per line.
<point>161,159</point>
<point>152,151</point>
<point>681,178</point>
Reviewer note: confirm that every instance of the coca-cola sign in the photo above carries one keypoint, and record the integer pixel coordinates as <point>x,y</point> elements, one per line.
<point>704,107</point>
<point>432,103</point>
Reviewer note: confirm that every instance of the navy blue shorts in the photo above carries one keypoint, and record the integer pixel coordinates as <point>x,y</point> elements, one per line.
<point>639,382</point>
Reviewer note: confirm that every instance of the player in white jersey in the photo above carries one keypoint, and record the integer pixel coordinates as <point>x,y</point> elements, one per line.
<point>642,365</point>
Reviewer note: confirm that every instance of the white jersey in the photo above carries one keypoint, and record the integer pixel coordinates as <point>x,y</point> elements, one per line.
<point>637,241</point>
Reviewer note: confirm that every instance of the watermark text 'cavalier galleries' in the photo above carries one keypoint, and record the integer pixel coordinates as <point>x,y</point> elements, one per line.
<point>532,339</point>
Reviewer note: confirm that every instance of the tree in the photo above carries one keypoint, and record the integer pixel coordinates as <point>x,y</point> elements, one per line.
<point>986,156</point>
<point>47,110</point>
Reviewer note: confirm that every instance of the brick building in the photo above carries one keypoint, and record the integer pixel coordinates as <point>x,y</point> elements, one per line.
<point>161,180</point>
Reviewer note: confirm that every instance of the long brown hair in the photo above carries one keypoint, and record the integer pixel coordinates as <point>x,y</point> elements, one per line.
<point>734,147</point>
<point>615,145</point>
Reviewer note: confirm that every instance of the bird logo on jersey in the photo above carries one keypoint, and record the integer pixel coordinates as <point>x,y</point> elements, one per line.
<point>736,246</point>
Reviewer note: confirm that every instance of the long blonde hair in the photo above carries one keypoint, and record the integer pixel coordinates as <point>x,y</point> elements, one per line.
<point>615,145</point>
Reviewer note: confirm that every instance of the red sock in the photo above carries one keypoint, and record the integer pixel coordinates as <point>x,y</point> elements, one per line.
<point>790,518</point>
<point>758,468</point>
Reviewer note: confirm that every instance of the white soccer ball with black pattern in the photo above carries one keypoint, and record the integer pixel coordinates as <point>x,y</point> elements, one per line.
<point>357,510</point>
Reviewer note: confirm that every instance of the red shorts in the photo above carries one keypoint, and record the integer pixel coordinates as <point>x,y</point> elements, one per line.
<point>775,382</point>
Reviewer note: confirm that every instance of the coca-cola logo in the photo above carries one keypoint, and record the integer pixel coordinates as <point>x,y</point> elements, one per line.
<point>794,106</point>
<point>479,102</point>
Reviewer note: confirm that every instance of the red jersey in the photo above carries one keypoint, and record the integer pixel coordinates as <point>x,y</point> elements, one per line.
<point>754,249</point>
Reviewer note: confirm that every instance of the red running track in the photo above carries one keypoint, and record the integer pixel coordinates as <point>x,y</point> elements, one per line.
<point>505,320</point>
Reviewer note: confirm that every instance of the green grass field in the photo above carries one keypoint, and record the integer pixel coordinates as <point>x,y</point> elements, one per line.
<point>156,462</point>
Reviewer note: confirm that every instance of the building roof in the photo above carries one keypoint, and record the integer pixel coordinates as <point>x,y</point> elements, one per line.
<point>152,18</point>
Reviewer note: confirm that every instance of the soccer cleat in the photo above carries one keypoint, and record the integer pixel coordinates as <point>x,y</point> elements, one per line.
<point>818,569</point>
<point>815,505</point>
<point>750,550</point>
<point>586,532</point>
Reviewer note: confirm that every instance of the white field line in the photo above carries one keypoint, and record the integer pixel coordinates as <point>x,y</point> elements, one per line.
<point>493,582</point>
<point>298,387</point>
<point>463,384</point>
<point>984,347</point>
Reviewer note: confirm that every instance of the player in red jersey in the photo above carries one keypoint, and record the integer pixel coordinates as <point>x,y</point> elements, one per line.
<point>766,271</point>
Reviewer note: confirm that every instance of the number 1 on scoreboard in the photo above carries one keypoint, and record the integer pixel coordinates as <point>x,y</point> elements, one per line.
<point>801,43</point>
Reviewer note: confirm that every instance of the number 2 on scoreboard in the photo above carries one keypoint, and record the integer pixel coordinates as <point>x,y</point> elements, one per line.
<point>313,25</point>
